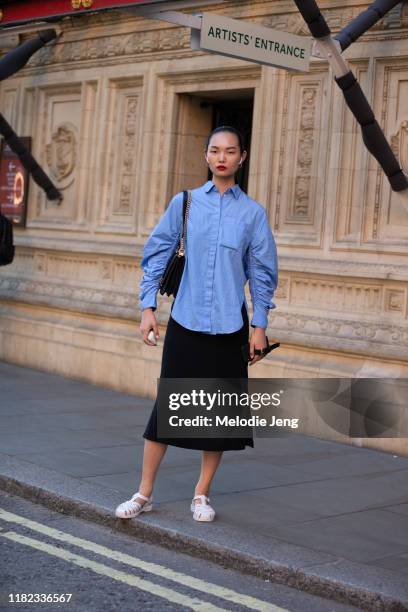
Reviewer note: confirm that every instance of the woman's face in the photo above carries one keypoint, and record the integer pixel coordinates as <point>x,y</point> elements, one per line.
<point>223,155</point>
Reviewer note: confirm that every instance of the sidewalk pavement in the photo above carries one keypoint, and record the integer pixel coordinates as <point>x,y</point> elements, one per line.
<point>323,517</point>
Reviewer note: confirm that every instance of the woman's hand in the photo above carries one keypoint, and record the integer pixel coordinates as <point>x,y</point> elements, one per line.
<point>257,341</point>
<point>148,323</point>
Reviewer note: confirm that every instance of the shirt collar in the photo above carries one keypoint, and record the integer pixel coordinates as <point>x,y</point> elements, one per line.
<point>236,189</point>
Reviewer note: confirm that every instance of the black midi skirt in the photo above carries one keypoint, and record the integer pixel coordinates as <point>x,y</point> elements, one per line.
<point>193,354</point>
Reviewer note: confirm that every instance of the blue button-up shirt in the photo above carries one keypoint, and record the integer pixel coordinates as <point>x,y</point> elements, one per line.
<point>229,242</point>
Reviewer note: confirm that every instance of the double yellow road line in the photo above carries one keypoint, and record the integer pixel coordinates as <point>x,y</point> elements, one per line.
<point>194,603</point>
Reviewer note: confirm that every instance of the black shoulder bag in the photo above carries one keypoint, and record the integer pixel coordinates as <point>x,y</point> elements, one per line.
<point>170,281</point>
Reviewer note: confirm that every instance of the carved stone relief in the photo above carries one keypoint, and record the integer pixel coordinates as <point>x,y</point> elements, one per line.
<point>395,301</point>
<point>339,295</point>
<point>62,153</point>
<point>129,162</point>
<point>118,176</point>
<point>62,123</point>
<point>9,105</point>
<point>136,44</point>
<point>399,145</point>
<point>337,19</point>
<point>386,216</point>
<point>382,337</point>
<point>304,170</point>
<point>282,291</point>
<point>56,137</point>
<point>349,162</point>
<point>302,158</point>
<point>345,296</point>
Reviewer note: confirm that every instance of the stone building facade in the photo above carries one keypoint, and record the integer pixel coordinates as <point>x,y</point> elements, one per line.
<point>118,106</point>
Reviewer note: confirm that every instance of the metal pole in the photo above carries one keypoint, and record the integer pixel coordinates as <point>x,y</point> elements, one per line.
<point>17,58</point>
<point>363,22</point>
<point>373,136</point>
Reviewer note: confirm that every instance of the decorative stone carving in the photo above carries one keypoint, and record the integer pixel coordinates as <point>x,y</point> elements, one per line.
<point>106,270</point>
<point>61,154</point>
<point>337,19</point>
<point>129,140</point>
<point>305,151</point>
<point>399,145</point>
<point>300,153</point>
<point>120,163</point>
<point>282,290</point>
<point>342,267</point>
<point>345,334</point>
<point>394,301</point>
<point>387,213</point>
<point>339,295</point>
<point>136,44</point>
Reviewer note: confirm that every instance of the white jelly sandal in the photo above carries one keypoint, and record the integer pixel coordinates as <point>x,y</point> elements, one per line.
<point>131,508</point>
<point>203,511</point>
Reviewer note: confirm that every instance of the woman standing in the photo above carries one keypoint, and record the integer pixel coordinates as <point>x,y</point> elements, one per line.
<point>229,242</point>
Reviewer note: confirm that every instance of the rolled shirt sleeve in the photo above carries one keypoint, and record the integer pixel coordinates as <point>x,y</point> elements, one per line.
<point>157,250</point>
<point>262,272</point>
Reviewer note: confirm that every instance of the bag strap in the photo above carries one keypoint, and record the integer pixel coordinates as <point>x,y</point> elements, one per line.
<point>187,198</point>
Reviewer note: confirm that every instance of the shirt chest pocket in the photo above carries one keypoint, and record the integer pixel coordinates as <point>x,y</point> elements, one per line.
<point>231,236</point>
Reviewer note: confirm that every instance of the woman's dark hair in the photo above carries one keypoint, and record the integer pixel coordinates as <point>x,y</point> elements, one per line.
<point>227,128</point>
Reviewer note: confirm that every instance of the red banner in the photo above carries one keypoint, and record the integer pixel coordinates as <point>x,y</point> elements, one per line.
<point>18,12</point>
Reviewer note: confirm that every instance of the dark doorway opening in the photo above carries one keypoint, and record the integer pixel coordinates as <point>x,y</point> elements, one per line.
<point>236,110</point>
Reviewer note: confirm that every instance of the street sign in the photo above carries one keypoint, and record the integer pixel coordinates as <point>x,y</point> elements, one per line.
<point>13,184</point>
<point>236,38</point>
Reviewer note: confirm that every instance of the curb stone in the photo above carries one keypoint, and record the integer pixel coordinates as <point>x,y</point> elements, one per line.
<point>303,580</point>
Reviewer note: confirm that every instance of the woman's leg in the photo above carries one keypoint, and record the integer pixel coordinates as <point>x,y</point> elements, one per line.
<point>153,453</point>
<point>209,464</point>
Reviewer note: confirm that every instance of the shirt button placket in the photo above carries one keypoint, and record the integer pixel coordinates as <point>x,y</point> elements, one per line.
<point>209,282</point>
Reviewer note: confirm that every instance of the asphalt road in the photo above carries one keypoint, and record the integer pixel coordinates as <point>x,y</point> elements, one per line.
<point>96,568</point>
